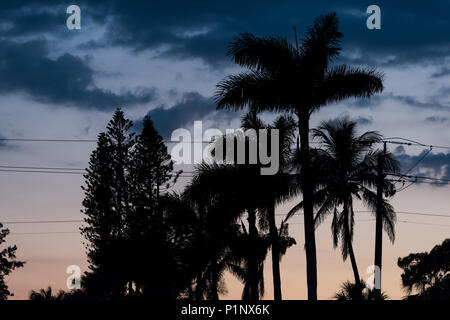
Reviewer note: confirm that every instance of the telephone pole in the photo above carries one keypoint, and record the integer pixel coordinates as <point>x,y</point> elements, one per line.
<point>379,224</point>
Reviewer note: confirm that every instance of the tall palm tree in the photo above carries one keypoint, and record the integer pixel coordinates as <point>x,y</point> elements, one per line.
<point>300,80</point>
<point>254,194</point>
<point>349,164</point>
<point>274,189</point>
<point>234,188</point>
<point>222,193</point>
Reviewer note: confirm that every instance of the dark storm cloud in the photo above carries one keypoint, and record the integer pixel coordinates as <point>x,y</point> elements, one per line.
<point>414,102</point>
<point>412,31</point>
<point>193,106</point>
<point>435,165</point>
<point>31,19</point>
<point>25,67</point>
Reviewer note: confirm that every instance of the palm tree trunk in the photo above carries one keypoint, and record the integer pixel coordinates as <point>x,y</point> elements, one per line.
<point>349,241</point>
<point>199,286</point>
<point>354,265</point>
<point>310,240</point>
<point>130,288</point>
<point>379,226</point>
<point>214,283</point>
<point>253,268</point>
<point>351,253</point>
<point>275,253</point>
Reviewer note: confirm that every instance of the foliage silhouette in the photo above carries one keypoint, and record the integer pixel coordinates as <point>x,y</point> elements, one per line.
<point>427,273</point>
<point>131,249</point>
<point>8,263</point>
<point>47,295</point>
<point>300,81</point>
<point>348,165</point>
<point>356,292</point>
<point>240,188</point>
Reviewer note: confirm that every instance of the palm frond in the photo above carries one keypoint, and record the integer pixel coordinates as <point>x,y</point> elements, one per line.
<point>345,82</point>
<point>260,91</point>
<point>261,54</point>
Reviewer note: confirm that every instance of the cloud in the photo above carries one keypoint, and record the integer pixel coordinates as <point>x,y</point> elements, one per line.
<point>6,145</point>
<point>151,25</point>
<point>21,18</point>
<point>193,106</point>
<point>445,71</point>
<point>377,100</point>
<point>68,79</point>
<point>399,150</point>
<point>364,121</point>
<point>436,119</point>
<point>435,165</point>
<point>411,31</point>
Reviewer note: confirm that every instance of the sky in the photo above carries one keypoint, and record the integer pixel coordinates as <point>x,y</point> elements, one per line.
<point>164,59</point>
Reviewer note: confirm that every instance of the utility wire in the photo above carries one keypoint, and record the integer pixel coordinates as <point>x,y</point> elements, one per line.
<point>40,221</point>
<point>425,223</point>
<point>41,168</point>
<point>413,143</point>
<point>408,142</point>
<point>36,233</point>
<point>418,177</point>
<point>277,214</point>
<point>39,171</point>
<point>46,140</point>
<point>290,223</point>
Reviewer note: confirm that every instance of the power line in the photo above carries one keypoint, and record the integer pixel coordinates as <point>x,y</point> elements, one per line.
<point>290,223</point>
<point>418,177</point>
<point>425,223</point>
<point>278,214</point>
<point>413,143</point>
<point>65,172</point>
<point>40,233</point>
<point>56,168</point>
<point>408,142</point>
<point>39,171</point>
<point>425,182</point>
<point>46,140</point>
<point>40,221</point>
<point>43,168</point>
<point>418,161</point>
<point>414,213</point>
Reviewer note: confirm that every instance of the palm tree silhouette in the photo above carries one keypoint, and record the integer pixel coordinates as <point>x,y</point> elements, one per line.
<point>243,246</point>
<point>356,291</point>
<point>300,81</point>
<point>47,295</point>
<point>274,189</point>
<point>349,164</point>
<point>248,191</point>
<point>215,193</point>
